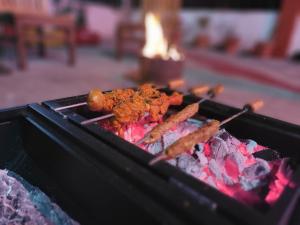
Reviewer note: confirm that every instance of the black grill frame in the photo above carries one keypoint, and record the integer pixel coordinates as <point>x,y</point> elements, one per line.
<point>267,131</point>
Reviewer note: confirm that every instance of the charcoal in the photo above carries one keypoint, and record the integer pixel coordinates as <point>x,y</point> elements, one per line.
<point>195,156</point>
<point>249,184</point>
<point>199,147</point>
<point>238,158</point>
<point>202,159</point>
<point>258,169</point>
<point>219,148</point>
<point>22,203</point>
<point>227,180</point>
<point>230,141</point>
<point>215,169</point>
<point>193,168</point>
<point>250,146</point>
<point>254,175</point>
<point>225,163</point>
<point>225,136</point>
<point>184,160</point>
<point>267,154</point>
<point>211,182</point>
<point>154,148</point>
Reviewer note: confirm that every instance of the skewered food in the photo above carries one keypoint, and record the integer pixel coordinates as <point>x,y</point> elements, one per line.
<point>189,111</point>
<point>99,101</point>
<point>157,132</point>
<point>187,142</point>
<point>136,107</point>
<point>202,134</point>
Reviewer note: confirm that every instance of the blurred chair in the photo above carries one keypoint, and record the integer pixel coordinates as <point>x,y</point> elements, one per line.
<point>129,33</point>
<point>17,18</point>
<point>202,41</point>
<point>263,49</point>
<point>231,45</point>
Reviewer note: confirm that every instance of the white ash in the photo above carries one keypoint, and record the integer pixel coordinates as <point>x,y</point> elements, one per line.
<point>219,148</point>
<point>253,176</point>
<point>224,161</point>
<point>170,137</point>
<point>250,146</point>
<point>202,158</point>
<point>238,158</point>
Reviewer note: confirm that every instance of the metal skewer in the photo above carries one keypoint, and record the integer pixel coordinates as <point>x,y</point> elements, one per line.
<point>86,122</point>
<point>70,106</point>
<point>252,107</point>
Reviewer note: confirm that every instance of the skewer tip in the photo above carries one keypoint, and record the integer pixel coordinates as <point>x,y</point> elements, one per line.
<point>173,84</point>
<point>158,158</point>
<point>216,90</point>
<point>255,105</point>
<point>199,90</point>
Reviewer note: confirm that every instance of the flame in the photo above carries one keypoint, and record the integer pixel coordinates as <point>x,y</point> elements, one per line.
<point>156,44</point>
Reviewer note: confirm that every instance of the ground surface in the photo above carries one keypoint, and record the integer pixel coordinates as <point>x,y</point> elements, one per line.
<point>50,78</point>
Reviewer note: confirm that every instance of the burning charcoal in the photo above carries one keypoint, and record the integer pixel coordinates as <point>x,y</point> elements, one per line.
<point>258,169</point>
<point>201,158</point>
<point>154,148</point>
<point>193,168</point>
<point>188,164</point>
<point>195,156</point>
<point>184,160</point>
<point>22,203</point>
<point>237,158</point>
<point>170,138</point>
<point>253,176</point>
<point>250,146</point>
<point>248,184</point>
<point>285,169</point>
<point>227,180</point>
<point>229,139</point>
<point>224,135</point>
<point>215,169</point>
<point>211,182</point>
<point>267,154</point>
<point>219,148</point>
<point>199,147</point>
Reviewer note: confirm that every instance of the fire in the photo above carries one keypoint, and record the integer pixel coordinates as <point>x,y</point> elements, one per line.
<point>156,44</point>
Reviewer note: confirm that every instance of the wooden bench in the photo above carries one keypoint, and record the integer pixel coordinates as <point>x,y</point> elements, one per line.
<point>21,15</point>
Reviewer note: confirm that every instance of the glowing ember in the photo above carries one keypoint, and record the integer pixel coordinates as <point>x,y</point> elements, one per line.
<point>156,44</point>
<point>243,170</point>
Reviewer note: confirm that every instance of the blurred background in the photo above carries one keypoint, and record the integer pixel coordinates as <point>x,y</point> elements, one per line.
<point>58,48</point>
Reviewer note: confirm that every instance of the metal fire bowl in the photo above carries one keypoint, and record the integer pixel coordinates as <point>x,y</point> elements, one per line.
<point>159,70</point>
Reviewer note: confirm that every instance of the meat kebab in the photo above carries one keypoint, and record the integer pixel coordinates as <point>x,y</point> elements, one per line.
<point>189,111</point>
<point>201,135</point>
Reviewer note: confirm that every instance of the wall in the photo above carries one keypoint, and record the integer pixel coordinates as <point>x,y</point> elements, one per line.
<point>102,19</point>
<point>250,26</point>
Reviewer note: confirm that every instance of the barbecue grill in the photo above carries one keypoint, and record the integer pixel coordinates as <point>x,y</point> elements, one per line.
<point>98,177</point>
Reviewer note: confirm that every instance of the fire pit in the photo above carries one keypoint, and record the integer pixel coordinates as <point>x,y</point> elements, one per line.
<point>159,61</point>
<point>159,70</point>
